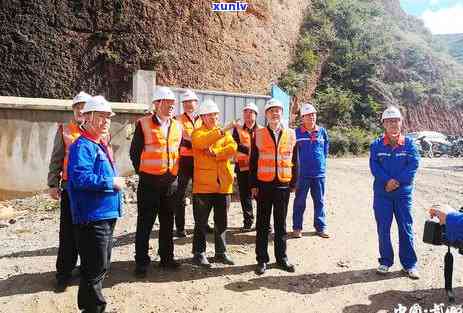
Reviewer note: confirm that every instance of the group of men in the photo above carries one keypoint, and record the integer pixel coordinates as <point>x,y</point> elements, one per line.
<point>169,151</point>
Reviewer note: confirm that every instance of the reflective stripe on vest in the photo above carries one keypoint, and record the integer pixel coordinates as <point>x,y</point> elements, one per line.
<point>272,159</point>
<point>188,127</point>
<point>245,139</point>
<point>71,132</point>
<point>160,155</point>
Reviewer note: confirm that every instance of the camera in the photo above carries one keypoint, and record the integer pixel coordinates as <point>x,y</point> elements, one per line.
<point>434,234</point>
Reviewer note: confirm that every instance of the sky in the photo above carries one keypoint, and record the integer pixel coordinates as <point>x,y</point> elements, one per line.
<point>440,16</point>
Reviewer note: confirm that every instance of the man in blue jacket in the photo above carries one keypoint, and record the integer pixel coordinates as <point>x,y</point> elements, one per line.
<point>312,146</point>
<point>394,161</point>
<point>94,191</point>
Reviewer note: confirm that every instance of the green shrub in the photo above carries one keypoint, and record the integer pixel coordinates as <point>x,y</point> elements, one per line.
<point>345,141</point>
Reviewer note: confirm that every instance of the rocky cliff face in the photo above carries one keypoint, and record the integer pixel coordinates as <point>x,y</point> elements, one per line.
<point>429,116</point>
<point>427,113</point>
<point>57,48</point>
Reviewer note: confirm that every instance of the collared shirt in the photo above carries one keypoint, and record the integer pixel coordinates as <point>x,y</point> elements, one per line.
<point>313,134</point>
<point>102,143</point>
<point>400,141</point>
<point>303,129</point>
<point>164,125</point>
<point>276,133</point>
<point>312,148</point>
<point>89,136</point>
<point>400,163</point>
<point>192,117</point>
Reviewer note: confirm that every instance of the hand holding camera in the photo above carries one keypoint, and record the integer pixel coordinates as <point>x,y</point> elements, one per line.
<point>435,233</point>
<point>440,212</point>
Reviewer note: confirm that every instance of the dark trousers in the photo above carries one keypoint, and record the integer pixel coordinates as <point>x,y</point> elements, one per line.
<point>202,206</point>
<point>184,178</point>
<point>67,247</point>
<point>152,202</point>
<point>278,198</point>
<point>94,243</point>
<point>245,197</point>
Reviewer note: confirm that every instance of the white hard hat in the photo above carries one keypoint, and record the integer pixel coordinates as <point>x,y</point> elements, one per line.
<point>273,103</point>
<point>81,97</point>
<point>98,104</point>
<point>208,106</point>
<point>307,108</point>
<point>391,112</point>
<point>163,93</point>
<point>251,106</point>
<point>188,95</point>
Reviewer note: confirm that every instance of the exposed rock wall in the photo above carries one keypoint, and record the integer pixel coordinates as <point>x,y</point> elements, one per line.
<point>54,49</point>
<point>428,116</point>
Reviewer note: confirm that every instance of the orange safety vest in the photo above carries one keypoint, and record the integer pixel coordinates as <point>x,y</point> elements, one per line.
<point>188,127</point>
<point>71,132</point>
<point>272,159</point>
<point>160,154</point>
<point>245,139</point>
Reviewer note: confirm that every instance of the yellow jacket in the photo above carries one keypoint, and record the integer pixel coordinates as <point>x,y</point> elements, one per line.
<point>212,174</point>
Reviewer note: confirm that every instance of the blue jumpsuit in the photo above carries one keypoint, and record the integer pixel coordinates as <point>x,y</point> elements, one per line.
<point>400,163</point>
<point>312,150</point>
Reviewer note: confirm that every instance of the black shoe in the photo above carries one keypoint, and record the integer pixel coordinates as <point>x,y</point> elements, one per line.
<point>180,234</point>
<point>261,268</point>
<point>61,285</point>
<point>201,260</point>
<point>169,264</point>
<point>141,271</point>
<point>209,229</point>
<point>224,259</point>
<point>286,266</point>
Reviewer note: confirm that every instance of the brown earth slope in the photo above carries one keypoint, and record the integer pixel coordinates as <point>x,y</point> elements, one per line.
<point>56,48</point>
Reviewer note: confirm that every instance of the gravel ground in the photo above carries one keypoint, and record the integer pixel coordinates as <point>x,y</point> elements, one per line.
<point>332,275</point>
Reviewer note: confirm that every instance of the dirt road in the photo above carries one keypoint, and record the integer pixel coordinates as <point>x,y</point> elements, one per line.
<point>334,275</point>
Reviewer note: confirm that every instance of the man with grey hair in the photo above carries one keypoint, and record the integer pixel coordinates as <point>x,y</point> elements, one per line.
<point>95,194</point>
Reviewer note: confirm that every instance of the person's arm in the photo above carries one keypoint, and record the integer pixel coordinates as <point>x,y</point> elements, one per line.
<point>253,164</point>
<point>186,139</point>
<point>413,159</point>
<point>82,159</point>
<point>454,228</point>
<point>227,151</point>
<point>376,168</point>
<point>136,147</point>
<point>56,161</point>
<point>204,139</point>
<point>326,148</point>
<point>294,169</point>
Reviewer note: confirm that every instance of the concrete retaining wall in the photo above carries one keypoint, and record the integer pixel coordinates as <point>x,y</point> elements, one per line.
<point>28,127</point>
<point>27,130</point>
